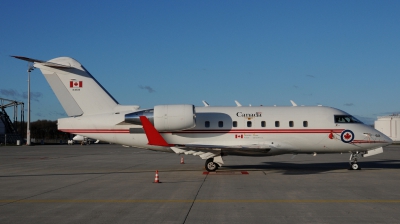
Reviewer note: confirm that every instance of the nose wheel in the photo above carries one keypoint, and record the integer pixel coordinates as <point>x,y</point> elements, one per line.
<point>353,161</point>
<point>354,166</point>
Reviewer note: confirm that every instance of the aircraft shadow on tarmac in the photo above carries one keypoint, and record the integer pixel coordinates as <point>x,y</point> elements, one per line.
<point>277,167</point>
<point>313,168</point>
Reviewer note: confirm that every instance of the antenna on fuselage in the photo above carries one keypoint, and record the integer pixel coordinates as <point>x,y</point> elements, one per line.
<point>206,104</point>
<point>238,104</point>
<point>293,103</point>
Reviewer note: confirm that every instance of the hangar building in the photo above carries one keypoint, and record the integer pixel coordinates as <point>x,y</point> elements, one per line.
<point>390,126</point>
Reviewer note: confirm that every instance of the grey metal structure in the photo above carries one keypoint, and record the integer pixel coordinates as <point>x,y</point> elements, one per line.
<point>10,126</point>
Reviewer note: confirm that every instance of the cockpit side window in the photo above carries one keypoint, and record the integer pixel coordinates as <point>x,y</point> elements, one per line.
<point>346,119</point>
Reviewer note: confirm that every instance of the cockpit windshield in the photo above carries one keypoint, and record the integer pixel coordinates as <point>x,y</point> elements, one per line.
<point>346,119</point>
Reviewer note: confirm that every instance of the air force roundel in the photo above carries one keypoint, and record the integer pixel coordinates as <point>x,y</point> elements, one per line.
<point>347,136</point>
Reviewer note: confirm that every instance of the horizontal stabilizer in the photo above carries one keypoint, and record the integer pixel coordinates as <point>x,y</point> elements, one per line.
<point>45,63</point>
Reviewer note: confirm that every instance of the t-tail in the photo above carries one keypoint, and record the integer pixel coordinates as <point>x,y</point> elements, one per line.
<point>77,90</point>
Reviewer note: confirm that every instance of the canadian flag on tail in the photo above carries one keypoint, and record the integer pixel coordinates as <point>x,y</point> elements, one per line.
<point>75,84</point>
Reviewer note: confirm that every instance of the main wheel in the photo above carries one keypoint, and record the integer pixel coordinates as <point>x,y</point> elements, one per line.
<point>211,166</point>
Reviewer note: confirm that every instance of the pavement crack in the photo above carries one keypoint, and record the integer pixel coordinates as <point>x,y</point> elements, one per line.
<point>195,198</point>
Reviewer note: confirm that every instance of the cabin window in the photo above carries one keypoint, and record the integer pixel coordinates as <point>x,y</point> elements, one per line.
<point>249,124</point>
<point>277,124</point>
<point>263,124</point>
<point>291,124</point>
<point>234,124</point>
<point>305,124</point>
<point>220,124</point>
<point>207,124</point>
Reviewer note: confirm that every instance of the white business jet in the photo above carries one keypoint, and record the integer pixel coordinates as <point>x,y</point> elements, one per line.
<point>86,140</point>
<point>208,132</point>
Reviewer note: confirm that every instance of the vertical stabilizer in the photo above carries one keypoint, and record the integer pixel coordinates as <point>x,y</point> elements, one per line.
<point>77,90</point>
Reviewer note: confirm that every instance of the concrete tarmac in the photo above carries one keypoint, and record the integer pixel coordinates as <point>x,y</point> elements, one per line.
<point>114,184</point>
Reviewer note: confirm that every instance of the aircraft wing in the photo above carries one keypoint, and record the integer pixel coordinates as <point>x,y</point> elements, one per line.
<point>204,154</point>
<point>205,151</point>
<point>251,146</point>
<point>210,151</point>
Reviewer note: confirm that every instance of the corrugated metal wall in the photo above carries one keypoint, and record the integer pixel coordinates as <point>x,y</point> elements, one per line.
<point>390,126</point>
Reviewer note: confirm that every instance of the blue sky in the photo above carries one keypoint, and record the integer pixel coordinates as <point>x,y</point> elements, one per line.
<point>343,54</point>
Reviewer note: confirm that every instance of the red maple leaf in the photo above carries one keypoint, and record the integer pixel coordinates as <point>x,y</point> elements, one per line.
<point>347,136</point>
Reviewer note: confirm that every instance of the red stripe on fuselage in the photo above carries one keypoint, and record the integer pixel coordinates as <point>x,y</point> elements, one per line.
<point>231,131</point>
<point>260,131</point>
<point>366,141</point>
<point>108,131</point>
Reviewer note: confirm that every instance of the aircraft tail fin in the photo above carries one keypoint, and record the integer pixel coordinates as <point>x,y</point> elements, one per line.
<point>77,90</point>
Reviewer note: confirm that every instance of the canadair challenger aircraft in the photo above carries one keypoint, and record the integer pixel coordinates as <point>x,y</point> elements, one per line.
<point>209,132</point>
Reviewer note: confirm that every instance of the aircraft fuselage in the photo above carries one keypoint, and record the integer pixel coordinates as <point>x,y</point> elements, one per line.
<point>267,130</point>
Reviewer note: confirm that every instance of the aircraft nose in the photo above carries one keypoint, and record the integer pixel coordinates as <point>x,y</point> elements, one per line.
<point>388,140</point>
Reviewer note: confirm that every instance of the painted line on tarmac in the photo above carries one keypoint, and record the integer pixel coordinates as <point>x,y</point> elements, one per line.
<point>83,201</point>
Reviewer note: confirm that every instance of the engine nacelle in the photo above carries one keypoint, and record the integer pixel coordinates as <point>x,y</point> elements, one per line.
<point>166,117</point>
<point>174,117</point>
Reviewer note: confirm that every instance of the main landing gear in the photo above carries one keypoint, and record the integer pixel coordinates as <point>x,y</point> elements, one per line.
<point>353,161</point>
<point>212,164</point>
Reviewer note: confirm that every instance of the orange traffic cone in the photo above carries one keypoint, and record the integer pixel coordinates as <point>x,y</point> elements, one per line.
<point>156,180</point>
<point>182,161</point>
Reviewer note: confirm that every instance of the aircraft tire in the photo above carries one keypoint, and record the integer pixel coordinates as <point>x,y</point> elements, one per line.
<point>354,166</point>
<point>211,166</point>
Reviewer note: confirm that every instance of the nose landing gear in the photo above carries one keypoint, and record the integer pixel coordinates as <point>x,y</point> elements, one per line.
<point>353,161</point>
<point>354,166</point>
